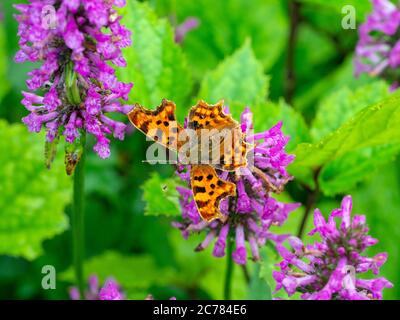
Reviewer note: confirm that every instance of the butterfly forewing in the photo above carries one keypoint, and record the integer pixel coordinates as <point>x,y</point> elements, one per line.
<point>205,116</point>
<point>160,125</point>
<point>227,149</point>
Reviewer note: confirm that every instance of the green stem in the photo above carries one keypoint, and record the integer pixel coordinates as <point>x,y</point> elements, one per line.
<point>78,241</point>
<point>229,271</point>
<point>295,19</point>
<point>312,199</point>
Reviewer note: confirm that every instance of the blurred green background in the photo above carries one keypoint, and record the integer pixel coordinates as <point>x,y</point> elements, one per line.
<point>241,52</point>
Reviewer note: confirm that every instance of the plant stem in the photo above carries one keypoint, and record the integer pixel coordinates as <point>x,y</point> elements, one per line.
<point>229,271</point>
<point>295,19</point>
<point>78,242</point>
<point>246,273</point>
<point>312,199</point>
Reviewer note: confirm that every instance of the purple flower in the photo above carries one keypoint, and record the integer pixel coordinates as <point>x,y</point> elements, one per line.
<point>329,269</point>
<point>110,291</point>
<point>77,42</point>
<point>378,48</point>
<point>188,25</point>
<point>248,216</point>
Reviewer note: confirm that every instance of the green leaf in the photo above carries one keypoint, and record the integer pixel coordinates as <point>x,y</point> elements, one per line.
<point>239,80</point>
<point>372,127</point>
<point>32,198</point>
<point>135,273</point>
<point>161,196</point>
<point>266,115</point>
<point>224,26</point>
<point>339,106</point>
<point>342,174</point>
<point>156,64</point>
<point>259,288</point>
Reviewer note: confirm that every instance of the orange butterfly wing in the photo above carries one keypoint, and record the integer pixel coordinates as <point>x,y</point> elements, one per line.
<point>160,125</point>
<point>229,150</point>
<point>208,191</point>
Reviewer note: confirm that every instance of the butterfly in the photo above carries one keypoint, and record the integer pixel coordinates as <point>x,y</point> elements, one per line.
<point>211,140</point>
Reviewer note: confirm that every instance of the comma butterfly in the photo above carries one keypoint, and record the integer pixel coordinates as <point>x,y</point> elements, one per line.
<point>212,140</point>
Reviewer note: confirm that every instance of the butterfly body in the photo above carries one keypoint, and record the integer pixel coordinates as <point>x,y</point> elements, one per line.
<point>212,140</point>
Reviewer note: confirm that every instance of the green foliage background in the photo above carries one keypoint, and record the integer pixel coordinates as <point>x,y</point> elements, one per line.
<point>347,129</point>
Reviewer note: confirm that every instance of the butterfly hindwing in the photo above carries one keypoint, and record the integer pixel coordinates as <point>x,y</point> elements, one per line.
<point>208,191</point>
<point>160,125</point>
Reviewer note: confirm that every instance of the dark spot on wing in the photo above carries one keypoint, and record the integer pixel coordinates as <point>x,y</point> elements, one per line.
<point>201,204</point>
<point>199,190</point>
<point>145,126</point>
<point>195,124</point>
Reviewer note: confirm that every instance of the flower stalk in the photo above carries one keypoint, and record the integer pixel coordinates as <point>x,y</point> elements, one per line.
<point>78,225</point>
<point>229,271</point>
<point>312,198</point>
